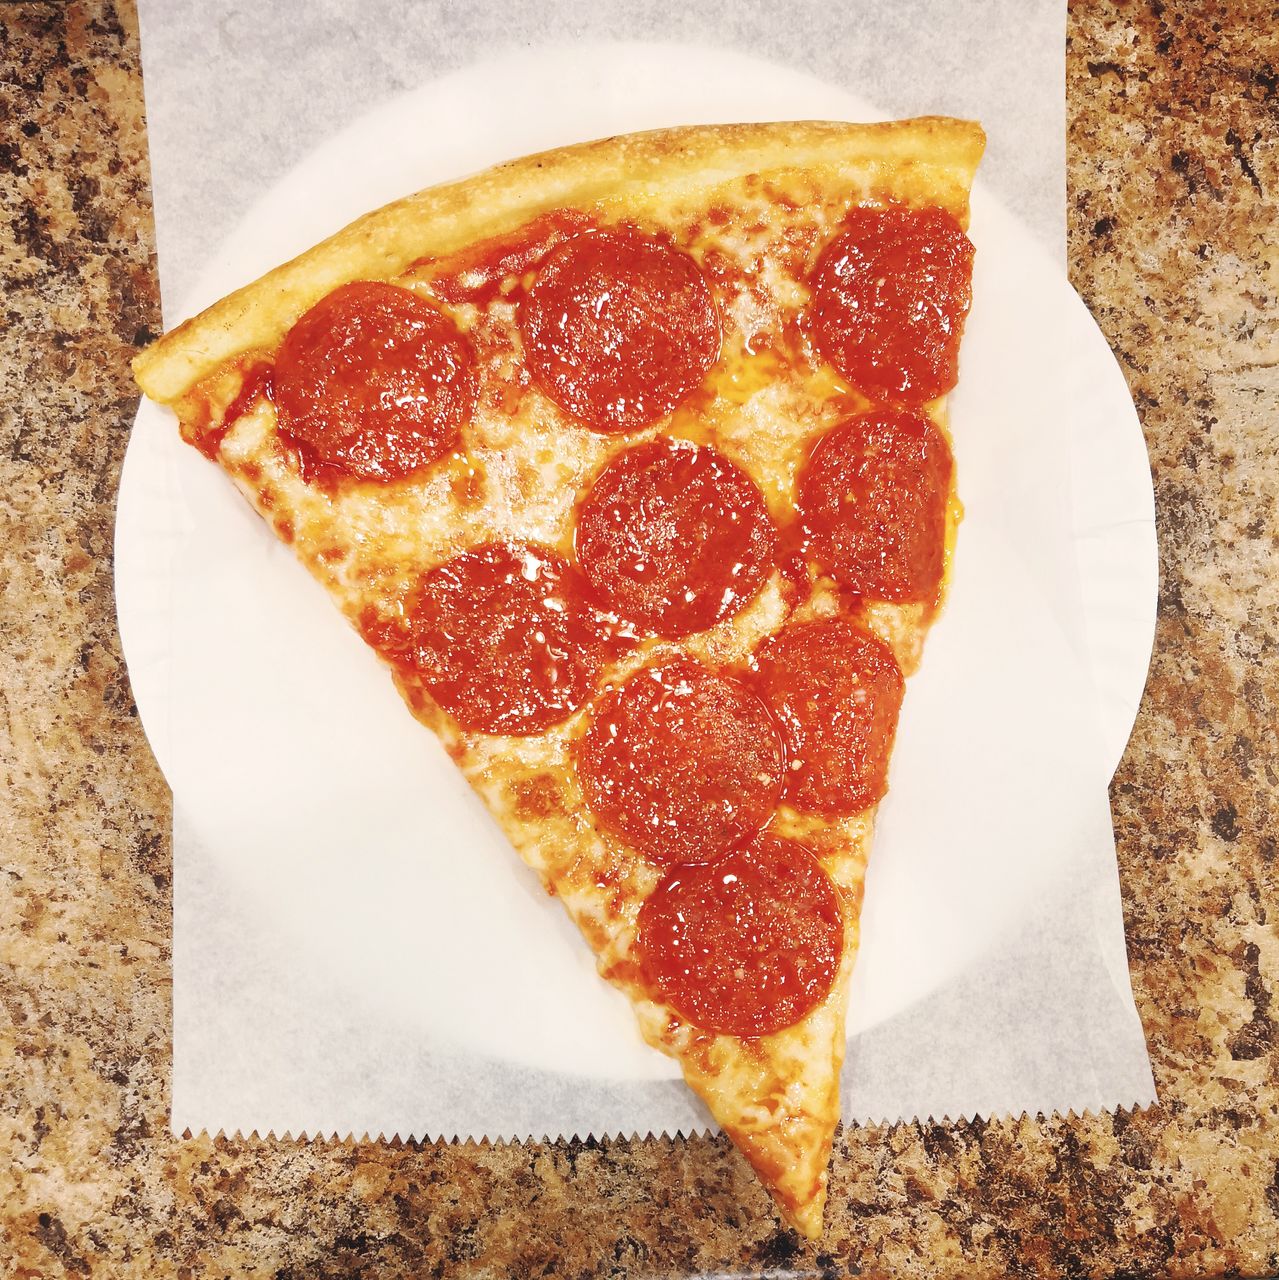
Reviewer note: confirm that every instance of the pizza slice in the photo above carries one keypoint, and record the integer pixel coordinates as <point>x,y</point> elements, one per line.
<point>630,460</point>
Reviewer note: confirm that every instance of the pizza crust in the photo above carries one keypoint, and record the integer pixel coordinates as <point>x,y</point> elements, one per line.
<point>929,160</point>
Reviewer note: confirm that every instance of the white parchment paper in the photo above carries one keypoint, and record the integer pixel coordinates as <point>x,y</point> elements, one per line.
<point>237,94</point>
<point>355,948</point>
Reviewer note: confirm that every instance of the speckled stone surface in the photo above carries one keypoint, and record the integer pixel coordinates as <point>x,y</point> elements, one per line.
<point>1174,171</point>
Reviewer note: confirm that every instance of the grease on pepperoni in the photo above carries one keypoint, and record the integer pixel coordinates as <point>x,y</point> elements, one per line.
<point>374,382</point>
<point>681,763</point>
<point>836,691</point>
<point>747,946</point>
<point>503,637</point>
<point>889,297</point>
<point>674,536</point>
<point>619,328</point>
<point>872,505</point>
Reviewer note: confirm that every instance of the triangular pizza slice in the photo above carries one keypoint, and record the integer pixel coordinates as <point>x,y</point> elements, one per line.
<point>630,459</point>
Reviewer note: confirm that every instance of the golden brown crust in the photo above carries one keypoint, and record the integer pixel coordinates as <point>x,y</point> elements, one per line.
<point>441,219</point>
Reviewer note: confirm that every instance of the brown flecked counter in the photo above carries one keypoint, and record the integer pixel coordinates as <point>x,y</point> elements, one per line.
<point>1174,243</point>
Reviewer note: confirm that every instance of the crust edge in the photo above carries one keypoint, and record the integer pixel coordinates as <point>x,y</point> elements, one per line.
<point>441,219</point>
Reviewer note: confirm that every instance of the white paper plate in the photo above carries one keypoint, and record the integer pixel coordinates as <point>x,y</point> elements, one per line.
<point>341,820</point>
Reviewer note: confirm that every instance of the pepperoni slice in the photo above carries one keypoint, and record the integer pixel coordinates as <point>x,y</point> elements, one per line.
<point>889,298</point>
<point>747,946</point>
<point>674,537</point>
<point>872,505</point>
<point>504,638</point>
<point>681,763</point>
<point>836,692</point>
<point>619,328</point>
<point>374,381</point>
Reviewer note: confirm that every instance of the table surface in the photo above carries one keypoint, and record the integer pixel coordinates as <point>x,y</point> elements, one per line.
<point>1173,171</point>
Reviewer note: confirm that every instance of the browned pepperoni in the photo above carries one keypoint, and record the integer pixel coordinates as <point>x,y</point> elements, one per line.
<point>872,505</point>
<point>748,945</point>
<point>836,691</point>
<point>889,297</point>
<point>503,638</point>
<point>674,537</point>
<point>618,328</point>
<point>374,381</point>
<point>681,763</point>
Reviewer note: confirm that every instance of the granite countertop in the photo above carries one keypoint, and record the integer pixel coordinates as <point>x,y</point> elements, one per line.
<point>1174,169</point>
